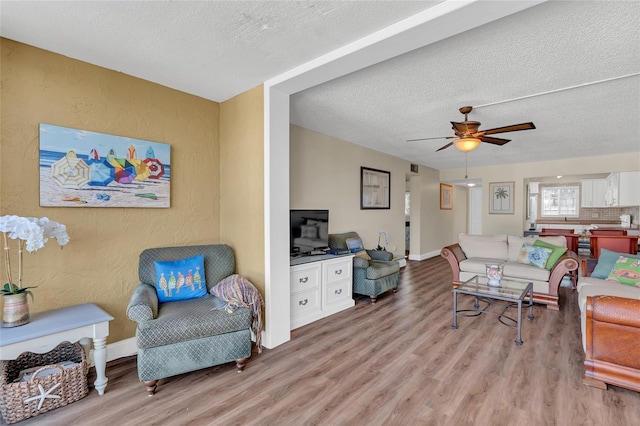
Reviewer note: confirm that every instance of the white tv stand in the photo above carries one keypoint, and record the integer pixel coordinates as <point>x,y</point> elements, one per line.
<point>320,286</point>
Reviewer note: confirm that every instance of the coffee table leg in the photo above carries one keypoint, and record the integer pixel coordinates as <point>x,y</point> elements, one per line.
<point>455,309</point>
<point>530,316</point>
<point>518,339</point>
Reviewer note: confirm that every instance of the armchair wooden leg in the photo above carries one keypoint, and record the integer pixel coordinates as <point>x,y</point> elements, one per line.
<point>373,299</point>
<point>240,363</point>
<point>151,386</point>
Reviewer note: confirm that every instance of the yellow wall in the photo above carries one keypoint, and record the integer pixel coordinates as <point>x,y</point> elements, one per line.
<point>100,263</point>
<point>242,182</point>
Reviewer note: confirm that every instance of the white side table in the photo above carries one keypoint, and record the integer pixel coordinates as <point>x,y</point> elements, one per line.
<point>47,329</point>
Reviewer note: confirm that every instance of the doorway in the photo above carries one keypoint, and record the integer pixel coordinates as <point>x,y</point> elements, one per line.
<point>475,211</point>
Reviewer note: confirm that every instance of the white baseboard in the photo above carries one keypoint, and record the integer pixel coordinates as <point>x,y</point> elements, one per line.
<point>121,349</point>
<point>424,256</point>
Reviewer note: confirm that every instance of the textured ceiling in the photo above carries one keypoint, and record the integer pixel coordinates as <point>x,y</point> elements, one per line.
<point>213,49</point>
<point>549,47</point>
<point>217,49</point>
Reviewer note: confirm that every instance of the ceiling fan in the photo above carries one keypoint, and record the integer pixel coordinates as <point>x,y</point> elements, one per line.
<point>468,137</point>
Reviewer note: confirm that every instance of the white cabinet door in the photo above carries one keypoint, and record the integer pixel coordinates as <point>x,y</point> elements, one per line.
<point>594,192</point>
<point>629,189</point>
<point>305,277</point>
<point>337,285</point>
<point>306,294</point>
<point>599,192</point>
<point>305,307</point>
<point>587,193</point>
<point>611,199</point>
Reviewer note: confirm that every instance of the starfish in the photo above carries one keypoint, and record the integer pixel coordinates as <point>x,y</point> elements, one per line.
<point>43,395</point>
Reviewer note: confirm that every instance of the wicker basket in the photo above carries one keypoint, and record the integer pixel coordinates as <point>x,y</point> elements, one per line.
<point>50,392</point>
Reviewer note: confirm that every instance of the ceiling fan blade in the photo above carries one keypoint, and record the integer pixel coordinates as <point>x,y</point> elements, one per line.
<point>428,139</point>
<point>444,147</point>
<point>512,128</point>
<point>495,141</point>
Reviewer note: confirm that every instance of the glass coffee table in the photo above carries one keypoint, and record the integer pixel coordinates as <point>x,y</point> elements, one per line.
<point>508,295</point>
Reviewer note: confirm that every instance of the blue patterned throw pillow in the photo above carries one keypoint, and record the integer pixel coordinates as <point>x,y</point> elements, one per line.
<point>534,255</point>
<point>180,279</point>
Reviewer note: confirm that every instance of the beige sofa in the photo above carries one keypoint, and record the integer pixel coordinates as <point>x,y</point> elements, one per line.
<point>472,252</point>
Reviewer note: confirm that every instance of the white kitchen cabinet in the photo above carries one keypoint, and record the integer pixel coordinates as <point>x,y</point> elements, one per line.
<point>320,288</point>
<point>623,189</point>
<point>593,193</point>
<point>629,189</point>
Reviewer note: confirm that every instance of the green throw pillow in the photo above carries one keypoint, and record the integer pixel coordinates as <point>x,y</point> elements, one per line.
<point>534,256</point>
<point>626,271</point>
<point>554,256</point>
<point>606,262</point>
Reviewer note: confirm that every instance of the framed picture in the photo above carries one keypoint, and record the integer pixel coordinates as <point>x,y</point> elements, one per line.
<point>501,197</point>
<point>79,168</point>
<point>375,189</point>
<point>446,197</point>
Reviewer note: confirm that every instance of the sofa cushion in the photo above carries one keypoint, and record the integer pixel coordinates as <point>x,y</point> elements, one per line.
<point>589,286</point>
<point>477,265</point>
<point>541,287</point>
<point>606,261</point>
<point>534,256</point>
<point>180,279</point>
<point>176,320</point>
<point>556,254</point>
<point>516,242</point>
<point>626,271</point>
<point>524,272</point>
<point>556,240</point>
<point>378,269</point>
<point>486,246</point>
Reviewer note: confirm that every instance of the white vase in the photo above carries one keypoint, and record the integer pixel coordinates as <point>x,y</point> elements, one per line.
<point>494,274</point>
<point>16,310</point>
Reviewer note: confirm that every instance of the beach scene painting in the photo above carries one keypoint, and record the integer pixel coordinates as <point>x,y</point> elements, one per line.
<point>79,168</point>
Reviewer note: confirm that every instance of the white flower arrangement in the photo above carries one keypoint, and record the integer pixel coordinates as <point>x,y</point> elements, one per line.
<point>32,233</point>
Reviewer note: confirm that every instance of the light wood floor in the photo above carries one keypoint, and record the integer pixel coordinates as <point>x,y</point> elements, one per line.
<point>398,362</point>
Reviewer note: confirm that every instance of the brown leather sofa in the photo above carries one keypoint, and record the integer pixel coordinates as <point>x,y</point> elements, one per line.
<point>611,331</point>
<point>612,338</point>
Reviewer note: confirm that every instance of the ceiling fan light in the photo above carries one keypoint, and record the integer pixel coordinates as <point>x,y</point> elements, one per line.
<point>466,144</point>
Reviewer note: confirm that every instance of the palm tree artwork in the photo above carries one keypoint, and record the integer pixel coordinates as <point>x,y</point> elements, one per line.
<point>501,194</point>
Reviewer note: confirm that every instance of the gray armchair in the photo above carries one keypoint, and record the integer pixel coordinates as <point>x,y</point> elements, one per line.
<point>370,277</point>
<point>187,335</point>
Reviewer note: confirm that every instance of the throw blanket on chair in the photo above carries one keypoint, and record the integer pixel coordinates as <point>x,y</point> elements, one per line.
<point>236,291</point>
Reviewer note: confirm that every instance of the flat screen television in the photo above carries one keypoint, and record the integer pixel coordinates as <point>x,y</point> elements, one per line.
<point>309,231</point>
